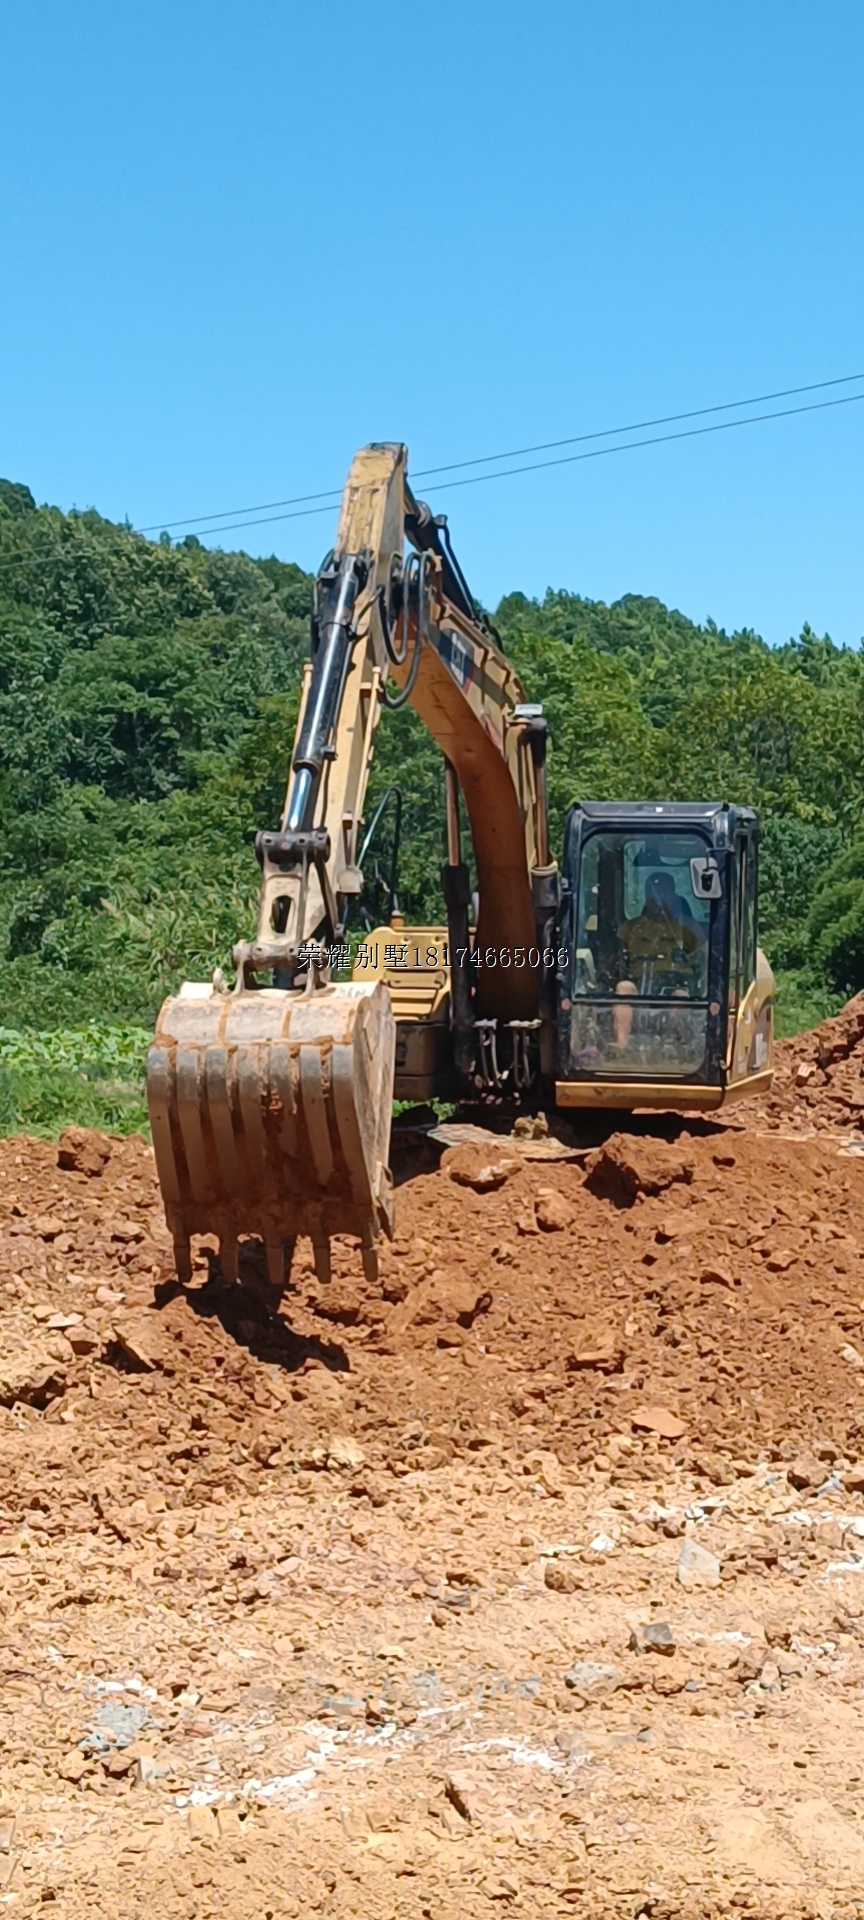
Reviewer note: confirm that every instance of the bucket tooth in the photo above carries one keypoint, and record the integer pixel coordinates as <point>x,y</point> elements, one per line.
<point>369,1253</point>
<point>321,1256</point>
<point>275,1251</point>
<point>228,1257</point>
<point>183,1258</point>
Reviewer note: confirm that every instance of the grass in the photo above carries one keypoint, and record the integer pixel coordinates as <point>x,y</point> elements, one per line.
<point>802,1002</point>
<point>93,1076</point>
<point>89,1076</point>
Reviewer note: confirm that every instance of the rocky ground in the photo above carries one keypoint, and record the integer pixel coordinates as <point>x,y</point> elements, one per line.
<point>529,1580</point>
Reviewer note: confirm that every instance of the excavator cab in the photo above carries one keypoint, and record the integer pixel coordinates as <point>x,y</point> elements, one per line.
<point>664,996</point>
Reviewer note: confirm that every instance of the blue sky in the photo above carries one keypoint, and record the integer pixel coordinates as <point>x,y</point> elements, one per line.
<point>239,240</point>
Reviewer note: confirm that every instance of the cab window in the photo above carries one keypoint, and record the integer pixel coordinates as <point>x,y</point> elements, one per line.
<point>639,920</point>
<point>639,979</point>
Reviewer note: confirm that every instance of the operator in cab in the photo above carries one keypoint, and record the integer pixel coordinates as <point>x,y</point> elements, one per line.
<point>660,946</point>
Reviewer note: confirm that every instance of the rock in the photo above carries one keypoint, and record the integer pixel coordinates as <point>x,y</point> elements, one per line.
<point>201,1822</point>
<point>697,1567</point>
<point>126,1230</point>
<point>655,1636</point>
<point>777,1632</point>
<point>80,1151</point>
<point>560,1579</point>
<point>117,1725</point>
<point>33,1379</point>
<point>851,1356</point>
<point>658,1420</point>
<point>59,1349</point>
<point>459,1792</point>
<point>853,1478</point>
<point>674,1226</point>
<point>108,1297</point>
<point>626,1166</point>
<point>139,1336</point>
<point>717,1277</point>
<point>668,1681</point>
<point>260,1588</point>
<point>569,1742</point>
<point>83,1342</point>
<point>598,1547</point>
<point>806,1471</point>
<point>150,1769</point>
<point>73,1766</point>
<point>118,1764</point>
<point>546,1467</point>
<point>592,1681</point>
<point>720,1472</point>
<point>781,1261</point>
<point>788,1665</point>
<point>598,1350</point>
<point>345,1706</point>
<point>343,1451</point>
<point>552,1211</point>
<point>463,1300</point>
<point>47,1227</point>
<point>472,1166</point>
<point>747,1668</point>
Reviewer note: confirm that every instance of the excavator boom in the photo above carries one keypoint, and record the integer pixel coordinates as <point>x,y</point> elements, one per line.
<point>270,1103</point>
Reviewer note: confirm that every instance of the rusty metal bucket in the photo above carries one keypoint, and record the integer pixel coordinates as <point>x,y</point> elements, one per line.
<point>270,1112</point>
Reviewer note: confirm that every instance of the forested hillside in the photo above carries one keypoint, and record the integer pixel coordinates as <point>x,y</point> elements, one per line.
<point>147,699</point>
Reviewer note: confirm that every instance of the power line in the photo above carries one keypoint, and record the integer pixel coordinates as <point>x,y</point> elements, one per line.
<point>477,479</point>
<point>511,453</point>
<point>164,526</point>
<point>594,453</point>
<point>657,440</point>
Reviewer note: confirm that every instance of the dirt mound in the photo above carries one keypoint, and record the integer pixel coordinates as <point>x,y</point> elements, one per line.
<point>720,1275</point>
<point>819,1076</point>
<point>376,1578</point>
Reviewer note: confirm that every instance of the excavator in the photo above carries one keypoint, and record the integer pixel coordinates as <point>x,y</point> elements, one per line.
<point>628,977</point>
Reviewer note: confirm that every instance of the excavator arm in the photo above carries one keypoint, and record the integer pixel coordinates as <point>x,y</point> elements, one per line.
<point>270,1103</point>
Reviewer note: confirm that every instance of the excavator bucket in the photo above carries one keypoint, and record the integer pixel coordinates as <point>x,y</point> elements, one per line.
<point>270,1113</point>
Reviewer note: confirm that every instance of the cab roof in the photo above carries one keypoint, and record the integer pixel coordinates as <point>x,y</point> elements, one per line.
<point>641,812</point>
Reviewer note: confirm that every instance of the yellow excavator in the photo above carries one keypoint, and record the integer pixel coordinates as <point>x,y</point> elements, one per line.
<point>627,978</point>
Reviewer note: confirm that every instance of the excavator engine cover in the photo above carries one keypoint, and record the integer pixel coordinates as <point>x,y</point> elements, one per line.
<point>270,1113</point>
